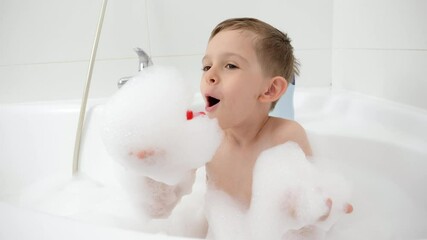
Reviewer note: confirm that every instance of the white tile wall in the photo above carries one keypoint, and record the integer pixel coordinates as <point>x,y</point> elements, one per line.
<point>380,24</point>
<point>183,27</point>
<point>179,31</point>
<point>315,69</point>
<point>42,82</point>
<point>380,49</point>
<point>46,31</point>
<point>45,45</point>
<point>394,75</point>
<point>125,27</point>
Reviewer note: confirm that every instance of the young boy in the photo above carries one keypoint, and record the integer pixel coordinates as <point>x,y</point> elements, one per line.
<point>247,67</point>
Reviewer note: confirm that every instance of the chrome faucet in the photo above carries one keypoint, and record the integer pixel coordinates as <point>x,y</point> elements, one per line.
<point>144,62</point>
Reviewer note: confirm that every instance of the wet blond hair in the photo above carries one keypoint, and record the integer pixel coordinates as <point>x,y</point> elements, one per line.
<point>272,47</point>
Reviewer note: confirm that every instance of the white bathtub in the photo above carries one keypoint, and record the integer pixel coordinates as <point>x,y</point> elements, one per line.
<point>380,146</point>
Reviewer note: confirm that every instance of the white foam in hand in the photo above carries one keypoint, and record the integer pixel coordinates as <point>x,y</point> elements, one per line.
<point>146,130</point>
<point>289,200</point>
<point>290,196</point>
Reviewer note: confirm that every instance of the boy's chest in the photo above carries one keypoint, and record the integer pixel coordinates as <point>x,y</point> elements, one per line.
<point>231,171</point>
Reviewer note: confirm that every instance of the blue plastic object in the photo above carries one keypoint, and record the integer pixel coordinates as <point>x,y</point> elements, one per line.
<point>285,106</point>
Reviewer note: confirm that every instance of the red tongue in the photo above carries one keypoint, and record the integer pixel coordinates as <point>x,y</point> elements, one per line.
<point>191,114</point>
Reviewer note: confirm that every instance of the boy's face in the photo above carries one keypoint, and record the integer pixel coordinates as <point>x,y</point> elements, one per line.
<point>232,78</point>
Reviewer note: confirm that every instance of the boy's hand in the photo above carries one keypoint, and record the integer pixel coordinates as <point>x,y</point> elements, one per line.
<point>295,206</point>
<point>347,208</point>
<point>312,231</point>
<point>144,155</point>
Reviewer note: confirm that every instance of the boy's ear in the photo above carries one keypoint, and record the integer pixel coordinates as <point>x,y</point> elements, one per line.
<point>276,89</point>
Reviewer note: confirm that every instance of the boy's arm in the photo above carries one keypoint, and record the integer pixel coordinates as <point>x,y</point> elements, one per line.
<point>160,198</point>
<point>157,199</point>
<point>293,131</point>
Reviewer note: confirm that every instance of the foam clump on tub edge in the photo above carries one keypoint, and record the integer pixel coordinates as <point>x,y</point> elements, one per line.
<point>289,195</point>
<point>148,116</point>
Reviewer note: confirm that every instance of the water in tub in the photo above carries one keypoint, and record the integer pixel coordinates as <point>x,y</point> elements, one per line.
<point>146,132</point>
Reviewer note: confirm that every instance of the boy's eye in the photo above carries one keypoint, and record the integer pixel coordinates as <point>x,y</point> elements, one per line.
<point>206,68</point>
<point>230,66</point>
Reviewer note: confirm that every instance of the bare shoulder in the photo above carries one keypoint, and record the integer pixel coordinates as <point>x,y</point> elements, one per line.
<point>285,130</point>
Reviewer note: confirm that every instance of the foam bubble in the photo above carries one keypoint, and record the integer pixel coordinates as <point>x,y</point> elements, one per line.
<point>289,195</point>
<point>227,218</point>
<point>145,128</point>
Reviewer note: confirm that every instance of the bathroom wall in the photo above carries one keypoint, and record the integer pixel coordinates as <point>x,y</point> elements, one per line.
<point>380,49</point>
<point>45,47</point>
<point>374,47</point>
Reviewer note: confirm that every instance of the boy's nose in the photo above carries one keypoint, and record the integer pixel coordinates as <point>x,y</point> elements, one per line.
<point>212,81</point>
<point>211,78</point>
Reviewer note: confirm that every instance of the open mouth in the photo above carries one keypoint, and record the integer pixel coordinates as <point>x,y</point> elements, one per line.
<point>211,101</point>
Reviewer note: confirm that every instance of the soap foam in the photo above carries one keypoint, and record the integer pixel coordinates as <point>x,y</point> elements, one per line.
<point>289,195</point>
<point>149,114</point>
<point>285,180</point>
